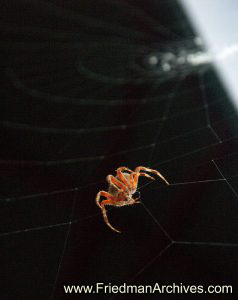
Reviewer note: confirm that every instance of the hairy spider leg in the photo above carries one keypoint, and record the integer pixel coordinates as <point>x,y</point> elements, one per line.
<point>134,182</point>
<point>132,187</point>
<point>104,213</point>
<point>122,177</point>
<point>138,169</point>
<point>102,193</point>
<point>120,186</point>
<point>136,177</point>
<point>124,169</point>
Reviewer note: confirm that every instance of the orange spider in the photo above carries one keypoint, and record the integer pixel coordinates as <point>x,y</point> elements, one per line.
<point>122,188</point>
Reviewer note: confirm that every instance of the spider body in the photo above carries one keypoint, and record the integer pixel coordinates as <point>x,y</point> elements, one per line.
<point>122,189</point>
<point>121,197</point>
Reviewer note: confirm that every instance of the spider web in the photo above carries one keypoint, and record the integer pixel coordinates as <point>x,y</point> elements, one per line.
<point>87,88</point>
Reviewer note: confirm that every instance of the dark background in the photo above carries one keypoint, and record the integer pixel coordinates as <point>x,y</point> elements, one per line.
<point>82,94</point>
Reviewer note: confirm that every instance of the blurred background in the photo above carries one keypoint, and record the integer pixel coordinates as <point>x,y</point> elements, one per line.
<point>88,86</point>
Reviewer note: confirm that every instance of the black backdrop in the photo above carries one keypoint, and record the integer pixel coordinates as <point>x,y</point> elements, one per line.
<point>88,86</point>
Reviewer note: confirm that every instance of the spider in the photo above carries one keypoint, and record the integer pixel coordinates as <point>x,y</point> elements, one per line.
<point>122,188</point>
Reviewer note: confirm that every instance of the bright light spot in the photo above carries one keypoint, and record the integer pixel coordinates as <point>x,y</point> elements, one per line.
<point>166,67</point>
<point>216,22</point>
<point>227,52</point>
<point>153,60</point>
<point>199,58</point>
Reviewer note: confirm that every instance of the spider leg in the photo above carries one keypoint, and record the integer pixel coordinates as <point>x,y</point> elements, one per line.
<point>117,183</point>
<point>146,175</point>
<point>102,193</point>
<point>133,182</point>
<point>122,177</point>
<point>138,169</point>
<point>104,213</point>
<point>135,177</point>
<point>124,169</point>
